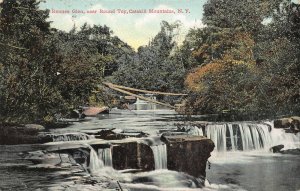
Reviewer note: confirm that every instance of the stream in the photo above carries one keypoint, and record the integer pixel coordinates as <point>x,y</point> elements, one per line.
<point>237,163</point>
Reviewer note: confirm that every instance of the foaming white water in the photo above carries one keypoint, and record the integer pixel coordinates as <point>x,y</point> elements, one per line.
<point>95,163</point>
<point>160,156</point>
<point>227,187</point>
<point>233,138</point>
<point>194,130</point>
<point>163,180</point>
<point>106,156</point>
<point>250,136</point>
<point>289,140</point>
<point>217,133</point>
<point>255,136</point>
<point>70,137</point>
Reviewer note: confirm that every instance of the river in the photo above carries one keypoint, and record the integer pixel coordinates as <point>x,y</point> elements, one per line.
<point>239,170</point>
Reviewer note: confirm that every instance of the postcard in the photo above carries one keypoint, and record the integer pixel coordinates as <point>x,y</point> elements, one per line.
<point>149,95</point>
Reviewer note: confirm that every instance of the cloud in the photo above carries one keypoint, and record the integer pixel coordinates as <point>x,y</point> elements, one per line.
<point>63,22</point>
<point>135,29</point>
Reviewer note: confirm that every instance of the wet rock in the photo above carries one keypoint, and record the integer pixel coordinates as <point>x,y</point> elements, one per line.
<point>35,127</point>
<point>43,157</point>
<point>17,134</point>
<point>93,111</point>
<point>290,124</point>
<point>109,134</point>
<point>291,151</point>
<point>276,149</point>
<point>188,153</point>
<point>77,114</point>
<point>133,133</point>
<point>185,153</point>
<point>132,156</point>
<point>282,123</point>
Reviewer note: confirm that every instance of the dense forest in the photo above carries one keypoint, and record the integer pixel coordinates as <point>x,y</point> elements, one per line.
<point>245,59</point>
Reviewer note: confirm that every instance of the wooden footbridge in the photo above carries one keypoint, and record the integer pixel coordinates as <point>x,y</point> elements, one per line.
<point>126,90</point>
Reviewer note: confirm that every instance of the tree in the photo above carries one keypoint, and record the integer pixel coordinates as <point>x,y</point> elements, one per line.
<point>246,14</point>
<point>245,64</point>
<point>154,67</point>
<point>29,62</point>
<point>45,71</point>
<point>225,83</point>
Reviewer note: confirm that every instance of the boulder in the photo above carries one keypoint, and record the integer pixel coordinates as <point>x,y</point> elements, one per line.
<point>291,151</point>
<point>189,154</point>
<point>295,123</point>
<point>276,149</point>
<point>17,134</point>
<point>132,155</point>
<point>35,127</point>
<point>93,111</point>
<point>291,124</point>
<point>109,134</point>
<point>77,114</point>
<point>282,123</point>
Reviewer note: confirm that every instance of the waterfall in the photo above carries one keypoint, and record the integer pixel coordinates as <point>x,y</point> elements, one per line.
<point>194,130</point>
<point>160,156</point>
<point>243,136</point>
<point>217,133</point>
<point>233,138</point>
<point>70,137</point>
<point>106,156</point>
<point>95,163</point>
<point>289,140</point>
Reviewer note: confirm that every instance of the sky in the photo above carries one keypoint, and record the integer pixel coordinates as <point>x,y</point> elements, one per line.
<point>134,29</point>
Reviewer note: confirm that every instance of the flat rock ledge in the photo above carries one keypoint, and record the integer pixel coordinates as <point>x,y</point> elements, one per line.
<point>185,153</point>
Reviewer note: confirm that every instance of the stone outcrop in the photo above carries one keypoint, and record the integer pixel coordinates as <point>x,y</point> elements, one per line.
<point>132,156</point>
<point>35,127</point>
<point>20,134</point>
<point>291,151</point>
<point>93,111</point>
<point>185,153</point>
<point>277,148</point>
<point>188,154</point>
<point>290,124</point>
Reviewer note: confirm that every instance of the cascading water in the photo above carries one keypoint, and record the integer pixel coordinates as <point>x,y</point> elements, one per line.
<point>95,163</point>
<point>160,156</point>
<point>70,137</point>
<point>247,136</point>
<point>106,156</point>
<point>289,140</point>
<point>233,138</point>
<point>194,130</point>
<point>255,136</point>
<point>217,133</point>
<point>241,136</point>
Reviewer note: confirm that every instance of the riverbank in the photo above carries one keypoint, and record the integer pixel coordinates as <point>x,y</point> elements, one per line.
<point>14,134</point>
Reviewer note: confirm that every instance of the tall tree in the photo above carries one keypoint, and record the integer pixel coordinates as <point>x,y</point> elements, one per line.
<point>29,62</point>
<point>248,56</point>
<point>155,67</point>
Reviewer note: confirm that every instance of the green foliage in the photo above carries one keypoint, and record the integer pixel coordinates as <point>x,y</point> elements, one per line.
<point>246,14</point>
<point>45,71</point>
<point>225,83</point>
<point>29,62</point>
<point>243,64</point>
<point>155,67</point>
